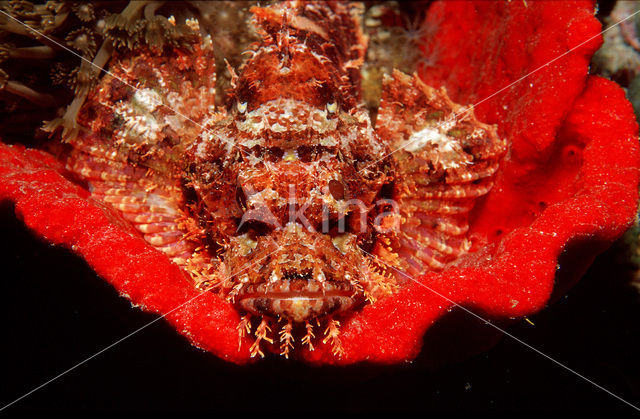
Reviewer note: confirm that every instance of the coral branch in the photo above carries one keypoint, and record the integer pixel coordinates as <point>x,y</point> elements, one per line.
<point>150,9</point>
<point>42,52</point>
<point>31,95</point>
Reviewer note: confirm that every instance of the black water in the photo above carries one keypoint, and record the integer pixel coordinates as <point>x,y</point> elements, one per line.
<point>55,312</point>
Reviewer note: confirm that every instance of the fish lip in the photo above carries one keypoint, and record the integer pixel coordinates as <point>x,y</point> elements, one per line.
<point>317,295</point>
<point>300,304</point>
<point>331,289</point>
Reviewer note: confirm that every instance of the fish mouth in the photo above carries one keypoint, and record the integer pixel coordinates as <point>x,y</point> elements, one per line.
<point>298,300</point>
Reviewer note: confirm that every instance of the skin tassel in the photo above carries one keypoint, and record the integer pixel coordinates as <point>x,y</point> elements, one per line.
<point>286,339</point>
<point>332,333</point>
<point>262,333</point>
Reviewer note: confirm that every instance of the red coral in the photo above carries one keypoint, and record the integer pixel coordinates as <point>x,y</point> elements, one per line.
<point>571,177</point>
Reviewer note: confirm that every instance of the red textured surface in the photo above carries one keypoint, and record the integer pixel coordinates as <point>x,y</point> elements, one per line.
<point>571,177</point>
<point>59,211</point>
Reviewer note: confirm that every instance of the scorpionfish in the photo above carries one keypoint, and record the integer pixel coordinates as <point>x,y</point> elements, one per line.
<point>289,200</point>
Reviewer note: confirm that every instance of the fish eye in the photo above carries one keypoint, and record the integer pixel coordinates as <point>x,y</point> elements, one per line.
<point>242,107</point>
<point>332,107</point>
<point>336,189</point>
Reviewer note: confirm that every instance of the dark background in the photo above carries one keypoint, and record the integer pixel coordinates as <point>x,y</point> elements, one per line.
<point>56,312</point>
